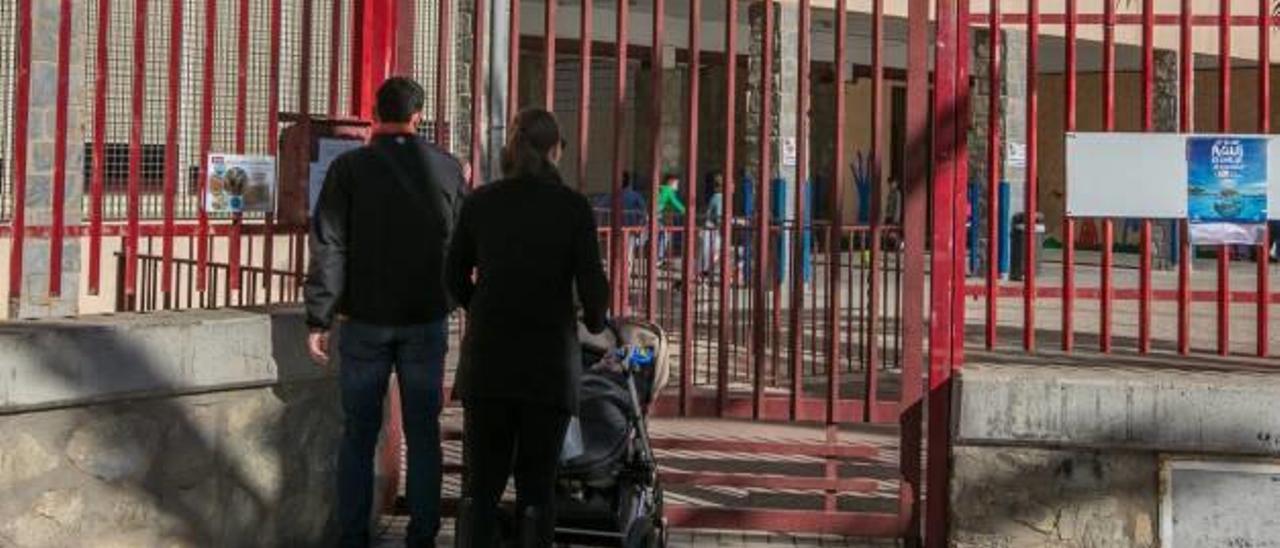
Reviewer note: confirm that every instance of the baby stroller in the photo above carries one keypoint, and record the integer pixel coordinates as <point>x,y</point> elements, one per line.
<point>608,493</point>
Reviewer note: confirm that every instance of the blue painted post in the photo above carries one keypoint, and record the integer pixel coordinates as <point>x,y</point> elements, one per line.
<point>1003,209</point>
<point>807,244</point>
<point>780,216</point>
<point>975,194</point>
<point>748,192</point>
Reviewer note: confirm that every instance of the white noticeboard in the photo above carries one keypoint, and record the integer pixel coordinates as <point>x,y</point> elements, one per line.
<point>328,150</point>
<point>240,184</point>
<point>1141,175</point>
<point>1214,503</point>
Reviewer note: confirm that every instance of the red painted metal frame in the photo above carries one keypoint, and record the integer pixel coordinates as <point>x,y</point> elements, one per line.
<point>1224,126</point>
<point>273,139</point>
<point>1264,126</point>
<point>171,153</point>
<point>655,61</point>
<point>584,103</point>
<point>549,56</point>
<point>443,53</point>
<point>915,187</point>
<point>21,115</point>
<point>477,83</point>
<point>616,238</point>
<point>102,69</point>
<point>762,275</point>
<point>65,15</point>
<point>1148,125</point>
<point>727,262</point>
<point>994,166</point>
<point>796,309</point>
<point>137,111</point>
<point>873,363</point>
<point>1031,207</point>
<point>689,259</point>
<point>1068,223</point>
<point>1185,125</point>
<point>796,521</point>
<point>206,143</point>
<point>241,134</point>
<point>513,56</point>
<point>335,56</point>
<point>1109,124</point>
<point>943,257</point>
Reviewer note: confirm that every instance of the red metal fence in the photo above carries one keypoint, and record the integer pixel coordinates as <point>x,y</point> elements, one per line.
<point>836,341</point>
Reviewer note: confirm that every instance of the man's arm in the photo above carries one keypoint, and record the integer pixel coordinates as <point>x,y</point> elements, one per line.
<point>326,273</point>
<point>461,261</point>
<point>592,283</point>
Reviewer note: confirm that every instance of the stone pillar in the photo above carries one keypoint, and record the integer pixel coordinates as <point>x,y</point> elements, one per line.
<point>35,301</point>
<point>1166,120</point>
<point>1013,75</point>
<point>755,64</point>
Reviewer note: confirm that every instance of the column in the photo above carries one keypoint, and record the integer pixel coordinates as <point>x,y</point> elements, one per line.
<point>35,301</point>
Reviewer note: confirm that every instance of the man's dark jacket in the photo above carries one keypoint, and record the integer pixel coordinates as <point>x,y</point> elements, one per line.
<point>380,233</point>
<point>529,243</point>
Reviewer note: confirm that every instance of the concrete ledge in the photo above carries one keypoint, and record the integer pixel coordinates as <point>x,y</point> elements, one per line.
<point>95,359</point>
<point>1163,410</point>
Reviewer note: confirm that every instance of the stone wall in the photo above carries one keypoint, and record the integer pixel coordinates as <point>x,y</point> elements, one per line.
<point>248,467</point>
<point>1007,497</point>
<point>203,428</point>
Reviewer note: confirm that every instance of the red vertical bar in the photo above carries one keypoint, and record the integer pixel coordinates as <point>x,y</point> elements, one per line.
<point>513,61</point>
<point>101,77</point>
<point>877,213</point>
<point>1068,224</point>
<point>764,277</point>
<point>994,166</point>
<point>1185,255</point>
<point>728,261</point>
<point>444,51</point>
<point>690,252</point>
<point>1224,126</point>
<point>659,30</point>
<point>404,27</point>
<point>1148,125</point>
<point>1033,174</point>
<point>801,227</point>
<point>834,235</point>
<point>943,254</point>
<point>960,190</point>
<point>295,242</point>
<point>361,60</point>
<point>1109,124</point>
<point>22,101</point>
<point>60,150</point>
<point>549,56</point>
<point>242,125</point>
<point>585,36</point>
<point>478,32</point>
<point>137,113</point>
<point>1264,127</point>
<point>915,187</point>
<point>619,162</point>
<point>335,55</point>
<point>273,142</point>
<point>171,151</point>
<point>206,143</point>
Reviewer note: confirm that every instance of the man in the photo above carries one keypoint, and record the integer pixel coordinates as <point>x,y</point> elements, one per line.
<point>378,243</point>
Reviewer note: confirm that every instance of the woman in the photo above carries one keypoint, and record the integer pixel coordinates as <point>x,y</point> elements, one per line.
<point>528,239</point>
<point>711,222</point>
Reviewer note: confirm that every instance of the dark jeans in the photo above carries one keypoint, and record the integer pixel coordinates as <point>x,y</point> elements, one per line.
<point>505,434</point>
<point>369,355</point>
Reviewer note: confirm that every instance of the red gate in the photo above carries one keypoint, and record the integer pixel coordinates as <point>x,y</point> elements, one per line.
<point>801,328</point>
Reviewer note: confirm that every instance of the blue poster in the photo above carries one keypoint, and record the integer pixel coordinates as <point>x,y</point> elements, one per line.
<point>1227,189</point>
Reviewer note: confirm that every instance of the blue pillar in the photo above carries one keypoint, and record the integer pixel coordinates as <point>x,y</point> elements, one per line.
<point>1003,210</point>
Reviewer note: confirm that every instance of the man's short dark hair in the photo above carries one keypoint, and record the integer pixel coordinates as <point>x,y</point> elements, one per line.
<point>398,99</point>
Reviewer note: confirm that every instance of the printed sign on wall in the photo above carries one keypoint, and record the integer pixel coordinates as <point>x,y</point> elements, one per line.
<point>1227,189</point>
<point>240,184</point>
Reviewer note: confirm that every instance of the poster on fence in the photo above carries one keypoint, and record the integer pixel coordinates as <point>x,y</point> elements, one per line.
<point>1227,190</point>
<point>240,184</point>
<point>328,150</point>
